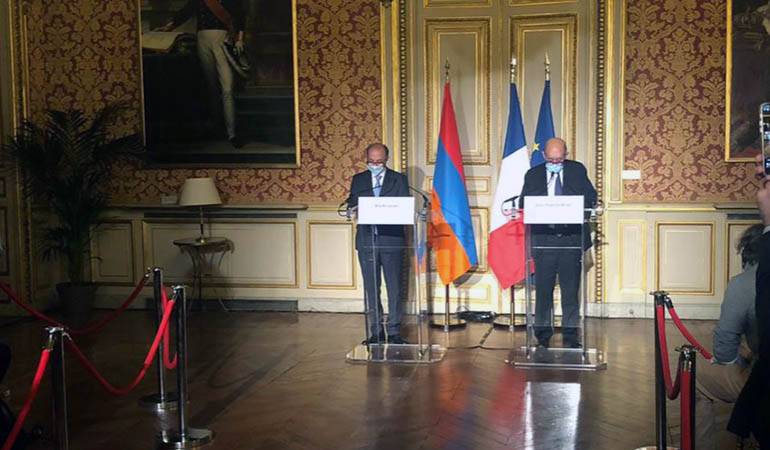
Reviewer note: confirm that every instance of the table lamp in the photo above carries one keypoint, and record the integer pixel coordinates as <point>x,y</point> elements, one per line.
<point>199,192</point>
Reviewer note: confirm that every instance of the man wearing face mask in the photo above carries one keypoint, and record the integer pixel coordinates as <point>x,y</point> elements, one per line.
<point>558,176</point>
<point>381,247</point>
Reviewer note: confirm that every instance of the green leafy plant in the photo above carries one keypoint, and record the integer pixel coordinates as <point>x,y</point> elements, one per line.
<point>66,163</point>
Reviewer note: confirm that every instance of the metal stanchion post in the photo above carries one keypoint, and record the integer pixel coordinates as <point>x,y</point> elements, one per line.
<point>447,323</point>
<point>186,437</point>
<point>689,355</point>
<point>162,400</point>
<point>660,386</point>
<point>58,389</point>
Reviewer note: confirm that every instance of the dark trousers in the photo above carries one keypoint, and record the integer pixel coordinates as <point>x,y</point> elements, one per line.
<point>549,263</point>
<point>374,264</point>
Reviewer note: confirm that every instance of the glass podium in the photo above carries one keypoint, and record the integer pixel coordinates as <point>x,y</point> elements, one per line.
<point>555,240</point>
<point>390,257</point>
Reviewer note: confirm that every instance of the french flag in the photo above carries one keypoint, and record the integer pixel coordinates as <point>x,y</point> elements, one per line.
<point>451,230</point>
<point>506,237</point>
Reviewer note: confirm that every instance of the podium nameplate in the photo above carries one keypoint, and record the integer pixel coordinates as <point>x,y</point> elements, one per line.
<point>552,210</point>
<point>386,210</point>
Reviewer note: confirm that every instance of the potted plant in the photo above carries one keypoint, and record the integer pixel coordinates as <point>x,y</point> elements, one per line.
<point>65,164</point>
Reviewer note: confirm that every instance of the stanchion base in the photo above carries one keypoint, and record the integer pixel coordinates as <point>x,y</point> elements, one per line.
<point>396,353</point>
<point>196,437</point>
<point>439,321</point>
<point>558,358</point>
<point>504,321</point>
<point>154,403</point>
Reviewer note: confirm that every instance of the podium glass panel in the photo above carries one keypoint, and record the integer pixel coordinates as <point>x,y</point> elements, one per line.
<point>557,338</point>
<point>392,261</point>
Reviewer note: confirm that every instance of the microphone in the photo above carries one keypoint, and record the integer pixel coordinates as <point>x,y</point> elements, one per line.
<point>421,193</point>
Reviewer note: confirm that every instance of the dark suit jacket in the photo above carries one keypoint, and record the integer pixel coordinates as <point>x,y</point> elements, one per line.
<point>394,185</point>
<point>575,182</point>
<point>751,413</point>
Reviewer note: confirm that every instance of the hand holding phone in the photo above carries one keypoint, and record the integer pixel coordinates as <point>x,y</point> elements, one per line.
<point>764,130</point>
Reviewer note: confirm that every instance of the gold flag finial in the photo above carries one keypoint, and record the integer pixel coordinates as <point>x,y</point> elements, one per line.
<point>446,70</point>
<point>513,69</point>
<point>547,67</point>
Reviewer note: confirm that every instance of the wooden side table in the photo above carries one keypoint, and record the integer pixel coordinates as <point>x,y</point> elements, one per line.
<point>202,254</point>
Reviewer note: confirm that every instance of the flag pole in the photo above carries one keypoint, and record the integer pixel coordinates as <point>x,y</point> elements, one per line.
<point>547,67</point>
<point>512,325</point>
<point>447,323</point>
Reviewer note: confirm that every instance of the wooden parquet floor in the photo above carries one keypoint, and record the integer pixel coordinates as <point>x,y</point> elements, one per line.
<point>280,381</point>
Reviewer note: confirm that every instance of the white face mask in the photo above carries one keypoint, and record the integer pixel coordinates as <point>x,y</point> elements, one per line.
<point>553,167</point>
<point>375,169</point>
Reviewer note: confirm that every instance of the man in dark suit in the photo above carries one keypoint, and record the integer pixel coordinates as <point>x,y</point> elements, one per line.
<point>751,414</point>
<point>558,176</point>
<point>380,247</point>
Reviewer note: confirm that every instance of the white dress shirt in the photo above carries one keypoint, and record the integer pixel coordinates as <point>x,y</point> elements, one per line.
<point>551,184</point>
<point>382,179</point>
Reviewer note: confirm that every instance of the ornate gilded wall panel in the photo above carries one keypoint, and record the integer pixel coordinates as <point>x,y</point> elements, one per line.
<point>685,257</point>
<point>457,3</point>
<point>532,37</point>
<point>465,44</point>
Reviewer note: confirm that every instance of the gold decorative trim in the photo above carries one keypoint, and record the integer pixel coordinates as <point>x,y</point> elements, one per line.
<point>310,285</point>
<point>457,3</point>
<point>132,244</point>
<point>623,245</point>
<point>567,25</point>
<point>728,244</point>
<point>712,256</point>
<point>538,2</point>
<point>147,247</point>
<point>403,122</point>
<point>729,82</point>
<point>5,269</point>
<point>604,52</point>
<point>433,28</point>
<point>428,184</point>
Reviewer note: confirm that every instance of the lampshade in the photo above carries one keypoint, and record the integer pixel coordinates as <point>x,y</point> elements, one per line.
<point>199,192</point>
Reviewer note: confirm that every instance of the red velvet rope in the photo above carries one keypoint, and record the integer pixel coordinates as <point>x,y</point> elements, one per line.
<point>96,326</point>
<point>684,409</point>
<point>686,333</point>
<point>45,355</point>
<point>672,389</point>
<point>167,362</point>
<point>147,360</point>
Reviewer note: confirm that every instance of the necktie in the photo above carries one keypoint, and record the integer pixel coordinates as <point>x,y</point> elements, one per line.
<point>378,185</point>
<point>557,188</point>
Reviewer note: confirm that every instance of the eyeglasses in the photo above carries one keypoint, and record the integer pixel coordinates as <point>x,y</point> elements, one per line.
<point>376,161</point>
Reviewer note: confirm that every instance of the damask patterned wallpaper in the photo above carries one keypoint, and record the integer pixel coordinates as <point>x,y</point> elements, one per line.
<point>675,104</point>
<point>84,54</point>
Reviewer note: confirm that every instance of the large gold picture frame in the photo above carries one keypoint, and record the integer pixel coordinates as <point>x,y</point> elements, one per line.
<point>181,124</point>
<point>747,76</point>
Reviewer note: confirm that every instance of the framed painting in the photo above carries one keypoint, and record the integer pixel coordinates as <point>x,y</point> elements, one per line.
<point>220,82</point>
<point>747,77</point>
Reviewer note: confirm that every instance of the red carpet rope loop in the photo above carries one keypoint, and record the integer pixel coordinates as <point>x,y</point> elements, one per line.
<point>45,355</point>
<point>672,389</point>
<point>167,362</point>
<point>94,327</point>
<point>685,332</point>
<point>118,392</point>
